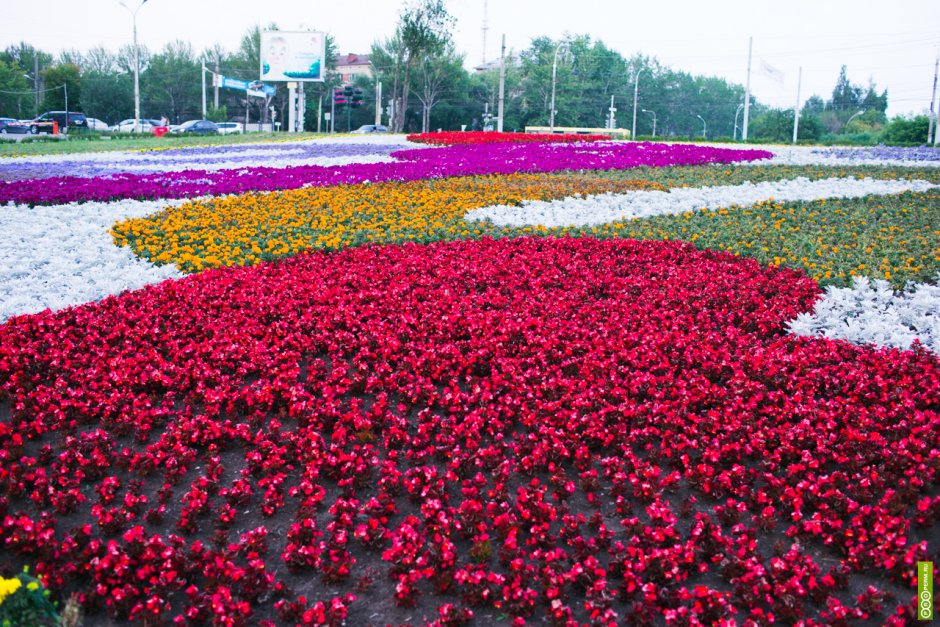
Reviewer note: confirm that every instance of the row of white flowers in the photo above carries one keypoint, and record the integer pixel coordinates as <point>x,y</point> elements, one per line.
<point>606,208</point>
<point>53,257</point>
<point>871,312</point>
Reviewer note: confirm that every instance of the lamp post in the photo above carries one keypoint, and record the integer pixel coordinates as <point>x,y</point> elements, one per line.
<point>551,114</point>
<point>704,128</point>
<point>652,113</point>
<point>740,106</point>
<point>853,116</point>
<point>133,13</point>
<point>636,86</point>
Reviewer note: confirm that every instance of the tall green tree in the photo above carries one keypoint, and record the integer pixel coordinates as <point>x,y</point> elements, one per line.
<point>422,31</point>
<point>16,93</point>
<point>63,82</point>
<point>171,85</point>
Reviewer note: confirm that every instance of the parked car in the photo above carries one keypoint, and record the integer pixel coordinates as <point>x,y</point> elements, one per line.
<point>10,126</point>
<point>43,123</point>
<point>95,124</point>
<point>198,127</point>
<point>371,128</point>
<point>127,126</point>
<point>229,128</point>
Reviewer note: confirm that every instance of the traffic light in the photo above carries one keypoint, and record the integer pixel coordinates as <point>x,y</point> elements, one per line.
<point>356,98</point>
<point>339,96</point>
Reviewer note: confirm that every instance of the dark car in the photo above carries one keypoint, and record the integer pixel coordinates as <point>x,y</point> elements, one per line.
<point>197,127</point>
<point>43,124</point>
<point>9,126</point>
<point>371,128</point>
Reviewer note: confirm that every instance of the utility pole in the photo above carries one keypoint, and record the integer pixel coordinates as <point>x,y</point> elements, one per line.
<point>932,125</point>
<point>486,27</point>
<point>502,86</point>
<point>378,100</point>
<point>36,78</point>
<point>203,73</point>
<point>636,87</point>
<point>747,88</point>
<point>291,107</point>
<point>796,109</point>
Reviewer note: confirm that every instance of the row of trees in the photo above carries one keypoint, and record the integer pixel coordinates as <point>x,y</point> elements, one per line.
<point>426,86</point>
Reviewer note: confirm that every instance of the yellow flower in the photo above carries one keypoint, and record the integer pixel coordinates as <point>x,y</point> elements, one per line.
<point>8,587</point>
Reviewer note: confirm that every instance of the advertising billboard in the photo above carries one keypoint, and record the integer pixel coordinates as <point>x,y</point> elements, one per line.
<point>292,55</point>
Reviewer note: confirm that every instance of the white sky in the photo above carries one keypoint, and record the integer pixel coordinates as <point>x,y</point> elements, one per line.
<point>895,43</point>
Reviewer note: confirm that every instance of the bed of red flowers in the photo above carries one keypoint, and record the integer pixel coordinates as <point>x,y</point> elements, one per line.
<point>567,431</point>
<point>450,138</point>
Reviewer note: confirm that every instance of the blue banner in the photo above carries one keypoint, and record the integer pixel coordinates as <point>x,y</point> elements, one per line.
<point>254,86</point>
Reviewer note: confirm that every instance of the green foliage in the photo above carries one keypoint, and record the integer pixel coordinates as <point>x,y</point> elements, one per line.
<point>28,604</point>
<point>57,76</point>
<point>20,102</point>
<point>217,115</point>
<point>906,131</point>
<point>171,85</point>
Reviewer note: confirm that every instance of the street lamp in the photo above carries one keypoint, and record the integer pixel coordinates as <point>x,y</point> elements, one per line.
<point>133,13</point>
<point>551,114</point>
<point>740,106</point>
<point>854,115</point>
<point>636,85</point>
<point>704,128</point>
<point>652,113</point>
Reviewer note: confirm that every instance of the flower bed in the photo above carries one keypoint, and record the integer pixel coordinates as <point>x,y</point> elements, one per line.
<point>451,138</point>
<point>416,164</point>
<point>545,429</point>
<point>240,230</point>
<point>208,158</point>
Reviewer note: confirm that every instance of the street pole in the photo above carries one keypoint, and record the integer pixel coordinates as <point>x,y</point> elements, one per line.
<point>652,113</point>
<point>136,64</point>
<point>291,107</point>
<point>551,114</point>
<point>378,101</point>
<point>636,85</point>
<point>215,84</point>
<point>736,113</point>
<point>36,78</point>
<point>796,109</point>
<point>319,112</point>
<point>502,87</point>
<point>203,90</point>
<point>747,88</point>
<point>932,124</point>
<point>65,86</point>
<point>704,127</point>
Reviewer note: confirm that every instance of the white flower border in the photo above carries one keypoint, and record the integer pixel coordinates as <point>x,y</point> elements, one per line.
<point>606,208</point>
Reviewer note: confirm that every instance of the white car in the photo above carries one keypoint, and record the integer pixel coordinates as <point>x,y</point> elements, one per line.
<point>127,126</point>
<point>229,128</point>
<point>94,124</point>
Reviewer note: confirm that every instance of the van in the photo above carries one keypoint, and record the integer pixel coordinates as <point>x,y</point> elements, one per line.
<point>44,122</point>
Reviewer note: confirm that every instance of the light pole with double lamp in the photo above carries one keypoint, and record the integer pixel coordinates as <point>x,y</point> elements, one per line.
<point>133,13</point>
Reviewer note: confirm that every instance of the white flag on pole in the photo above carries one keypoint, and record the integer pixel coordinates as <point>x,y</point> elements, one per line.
<point>771,72</point>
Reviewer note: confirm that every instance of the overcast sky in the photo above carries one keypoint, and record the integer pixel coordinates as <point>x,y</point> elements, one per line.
<point>894,43</point>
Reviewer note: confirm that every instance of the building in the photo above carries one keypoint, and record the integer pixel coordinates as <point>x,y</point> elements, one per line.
<point>349,66</point>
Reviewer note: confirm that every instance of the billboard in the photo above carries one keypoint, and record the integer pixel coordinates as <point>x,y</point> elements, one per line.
<point>292,55</point>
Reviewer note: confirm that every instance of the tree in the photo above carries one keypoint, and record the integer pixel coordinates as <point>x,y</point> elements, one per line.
<point>845,96</point>
<point>62,80</point>
<point>436,75</point>
<point>421,32</point>
<point>171,85</point>
<point>16,94</point>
